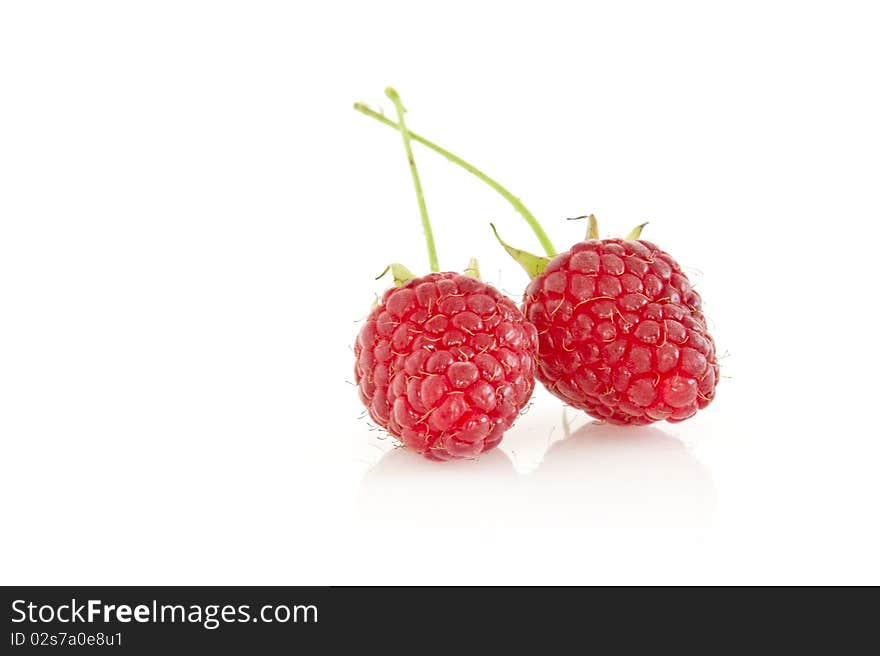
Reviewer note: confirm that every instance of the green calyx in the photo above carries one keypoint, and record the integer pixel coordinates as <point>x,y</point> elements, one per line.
<point>534,265</point>
<point>593,228</point>
<point>399,272</point>
<point>636,232</point>
<point>473,269</point>
<point>402,275</point>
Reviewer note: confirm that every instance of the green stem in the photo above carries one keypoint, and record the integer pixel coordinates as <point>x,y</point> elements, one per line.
<point>455,159</point>
<point>417,183</point>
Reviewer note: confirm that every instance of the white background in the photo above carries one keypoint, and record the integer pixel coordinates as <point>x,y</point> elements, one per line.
<point>192,215</point>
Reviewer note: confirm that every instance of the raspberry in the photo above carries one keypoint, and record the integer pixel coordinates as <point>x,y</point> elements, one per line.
<point>445,364</point>
<point>621,334</point>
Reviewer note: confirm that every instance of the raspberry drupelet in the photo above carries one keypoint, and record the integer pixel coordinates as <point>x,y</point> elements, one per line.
<point>445,364</point>
<point>621,333</point>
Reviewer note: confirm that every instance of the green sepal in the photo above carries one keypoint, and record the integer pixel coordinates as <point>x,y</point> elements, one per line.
<point>534,265</point>
<point>592,227</point>
<point>473,269</point>
<point>400,273</point>
<point>636,232</point>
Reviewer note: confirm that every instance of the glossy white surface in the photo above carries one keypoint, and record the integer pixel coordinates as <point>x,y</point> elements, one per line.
<point>191,217</point>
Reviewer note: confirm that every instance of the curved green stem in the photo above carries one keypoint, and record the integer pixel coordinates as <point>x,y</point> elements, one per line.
<point>455,159</point>
<point>417,183</point>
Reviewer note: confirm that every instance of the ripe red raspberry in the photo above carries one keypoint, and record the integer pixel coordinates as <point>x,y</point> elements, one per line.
<point>445,364</point>
<point>621,334</point>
